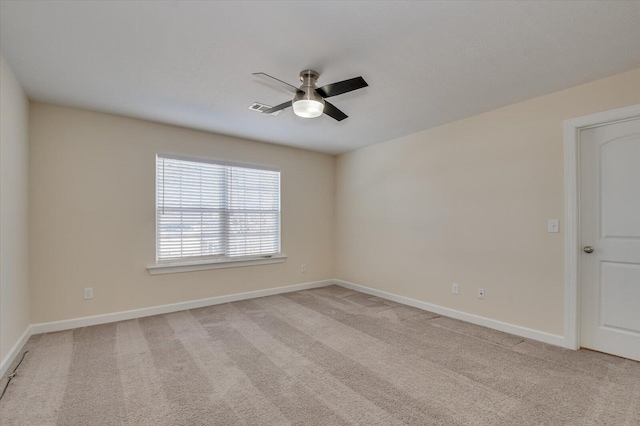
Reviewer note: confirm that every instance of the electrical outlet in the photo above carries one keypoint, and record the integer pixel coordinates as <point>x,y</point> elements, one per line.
<point>455,288</point>
<point>481,293</point>
<point>303,268</point>
<point>88,293</point>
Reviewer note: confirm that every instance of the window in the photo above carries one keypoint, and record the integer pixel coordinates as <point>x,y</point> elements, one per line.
<point>215,211</point>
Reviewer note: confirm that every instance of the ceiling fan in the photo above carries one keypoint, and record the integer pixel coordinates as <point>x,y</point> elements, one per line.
<point>309,100</point>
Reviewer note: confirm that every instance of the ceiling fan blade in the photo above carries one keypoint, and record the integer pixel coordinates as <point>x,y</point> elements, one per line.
<point>334,112</point>
<point>281,84</point>
<point>277,108</point>
<point>335,89</point>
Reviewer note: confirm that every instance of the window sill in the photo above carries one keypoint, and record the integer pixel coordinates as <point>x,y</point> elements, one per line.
<point>173,268</point>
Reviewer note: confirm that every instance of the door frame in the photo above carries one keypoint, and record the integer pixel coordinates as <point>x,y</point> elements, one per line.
<point>572,238</point>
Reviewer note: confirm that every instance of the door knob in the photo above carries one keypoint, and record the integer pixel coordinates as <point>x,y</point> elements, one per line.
<point>588,249</point>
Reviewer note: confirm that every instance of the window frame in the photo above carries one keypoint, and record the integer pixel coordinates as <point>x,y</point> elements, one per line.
<point>204,263</point>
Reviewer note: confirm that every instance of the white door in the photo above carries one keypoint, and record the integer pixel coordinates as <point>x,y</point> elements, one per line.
<point>610,235</point>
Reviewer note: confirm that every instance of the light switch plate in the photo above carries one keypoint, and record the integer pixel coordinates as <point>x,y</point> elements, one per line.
<point>554,225</point>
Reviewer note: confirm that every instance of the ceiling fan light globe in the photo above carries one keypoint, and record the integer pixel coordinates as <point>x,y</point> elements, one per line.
<point>308,108</point>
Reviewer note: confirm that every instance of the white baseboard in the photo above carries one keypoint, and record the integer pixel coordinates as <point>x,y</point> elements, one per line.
<point>14,351</point>
<point>46,327</point>
<point>200,303</point>
<point>529,333</point>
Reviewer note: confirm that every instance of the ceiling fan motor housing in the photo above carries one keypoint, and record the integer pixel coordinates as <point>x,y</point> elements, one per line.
<point>307,102</point>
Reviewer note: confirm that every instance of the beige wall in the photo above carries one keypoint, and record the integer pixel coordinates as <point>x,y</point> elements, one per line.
<point>14,185</point>
<point>93,221</point>
<point>468,202</point>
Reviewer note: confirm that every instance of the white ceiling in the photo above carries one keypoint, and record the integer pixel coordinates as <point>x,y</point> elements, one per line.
<point>427,63</point>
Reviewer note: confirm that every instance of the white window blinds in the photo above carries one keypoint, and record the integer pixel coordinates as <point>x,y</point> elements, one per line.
<point>215,210</point>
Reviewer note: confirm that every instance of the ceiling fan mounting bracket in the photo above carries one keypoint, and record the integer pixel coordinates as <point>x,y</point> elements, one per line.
<point>309,76</point>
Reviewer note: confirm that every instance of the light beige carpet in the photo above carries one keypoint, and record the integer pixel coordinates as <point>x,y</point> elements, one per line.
<point>328,356</point>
